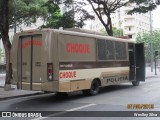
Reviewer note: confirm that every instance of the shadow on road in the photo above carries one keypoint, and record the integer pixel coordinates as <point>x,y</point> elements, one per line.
<point>51,99</point>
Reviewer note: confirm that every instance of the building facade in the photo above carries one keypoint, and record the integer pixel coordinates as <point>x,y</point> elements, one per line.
<point>131,24</point>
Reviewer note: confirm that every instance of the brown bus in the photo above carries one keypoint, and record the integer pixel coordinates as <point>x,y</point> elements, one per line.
<point>65,61</point>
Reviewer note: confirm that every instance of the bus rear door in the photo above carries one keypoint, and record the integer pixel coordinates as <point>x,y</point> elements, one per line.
<point>29,61</point>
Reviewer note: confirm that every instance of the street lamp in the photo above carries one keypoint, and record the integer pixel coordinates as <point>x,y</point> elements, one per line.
<point>119,16</point>
<point>151,45</point>
<point>151,35</point>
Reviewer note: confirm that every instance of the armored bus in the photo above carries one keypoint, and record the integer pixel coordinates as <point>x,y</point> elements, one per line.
<point>65,61</point>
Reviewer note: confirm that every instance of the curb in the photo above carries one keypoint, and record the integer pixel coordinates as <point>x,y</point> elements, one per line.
<point>152,77</point>
<point>18,96</point>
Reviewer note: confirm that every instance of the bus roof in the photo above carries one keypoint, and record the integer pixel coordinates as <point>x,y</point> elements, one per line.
<point>28,32</point>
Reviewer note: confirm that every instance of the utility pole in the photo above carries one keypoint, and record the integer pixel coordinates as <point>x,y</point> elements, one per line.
<point>119,17</point>
<point>15,16</point>
<point>151,45</point>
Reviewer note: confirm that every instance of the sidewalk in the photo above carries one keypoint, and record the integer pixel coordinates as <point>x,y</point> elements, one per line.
<point>150,74</point>
<point>21,93</point>
<point>14,93</point>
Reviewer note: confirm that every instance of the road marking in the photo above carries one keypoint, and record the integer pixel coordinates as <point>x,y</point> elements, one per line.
<point>78,108</point>
<point>66,111</point>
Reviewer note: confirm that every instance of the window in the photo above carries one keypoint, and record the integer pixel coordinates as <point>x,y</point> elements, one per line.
<point>120,48</point>
<point>129,28</point>
<point>101,49</point>
<point>111,50</point>
<point>105,50</point>
<point>130,36</point>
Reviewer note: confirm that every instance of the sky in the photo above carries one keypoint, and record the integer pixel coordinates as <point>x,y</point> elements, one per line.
<point>156,18</point>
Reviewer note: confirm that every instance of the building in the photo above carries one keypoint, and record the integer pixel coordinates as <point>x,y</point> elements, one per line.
<point>131,24</point>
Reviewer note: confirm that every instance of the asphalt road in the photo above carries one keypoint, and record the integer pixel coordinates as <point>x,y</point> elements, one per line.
<point>112,98</point>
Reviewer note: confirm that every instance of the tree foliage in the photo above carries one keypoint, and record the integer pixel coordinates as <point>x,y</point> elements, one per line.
<point>67,20</point>
<point>0,35</point>
<point>143,6</point>
<point>26,11</point>
<point>74,16</point>
<point>81,14</point>
<point>116,32</point>
<point>104,8</point>
<point>55,19</point>
<point>145,37</point>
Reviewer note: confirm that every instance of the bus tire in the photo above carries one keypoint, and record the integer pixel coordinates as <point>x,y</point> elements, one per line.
<point>135,83</point>
<point>93,90</point>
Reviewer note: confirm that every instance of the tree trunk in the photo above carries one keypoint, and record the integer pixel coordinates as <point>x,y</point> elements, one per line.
<point>7,48</point>
<point>4,29</point>
<point>108,27</point>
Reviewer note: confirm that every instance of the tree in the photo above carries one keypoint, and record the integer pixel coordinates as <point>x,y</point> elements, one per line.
<point>0,35</point>
<point>143,6</point>
<point>27,12</point>
<point>145,37</point>
<point>4,29</point>
<point>103,10</point>
<point>52,19</point>
<point>116,32</point>
<point>80,15</point>
<point>0,53</point>
<point>75,14</point>
<point>55,19</point>
<point>67,20</point>
<point>83,16</point>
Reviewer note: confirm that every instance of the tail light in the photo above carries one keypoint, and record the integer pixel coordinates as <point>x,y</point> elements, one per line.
<point>50,71</point>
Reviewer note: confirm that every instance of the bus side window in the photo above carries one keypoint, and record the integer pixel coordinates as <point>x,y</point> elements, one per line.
<point>120,51</point>
<point>105,50</point>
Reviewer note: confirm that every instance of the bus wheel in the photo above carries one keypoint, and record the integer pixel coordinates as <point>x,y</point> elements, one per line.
<point>135,83</point>
<point>93,90</point>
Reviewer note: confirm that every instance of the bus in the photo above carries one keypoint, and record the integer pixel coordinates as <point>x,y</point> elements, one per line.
<point>63,61</point>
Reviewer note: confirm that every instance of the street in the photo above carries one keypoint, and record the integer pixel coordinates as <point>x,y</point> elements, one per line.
<point>112,98</point>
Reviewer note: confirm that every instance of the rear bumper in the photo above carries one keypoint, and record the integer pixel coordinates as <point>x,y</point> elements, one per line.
<point>46,86</point>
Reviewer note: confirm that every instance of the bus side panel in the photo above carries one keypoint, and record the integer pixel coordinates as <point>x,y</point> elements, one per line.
<point>74,52</point>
